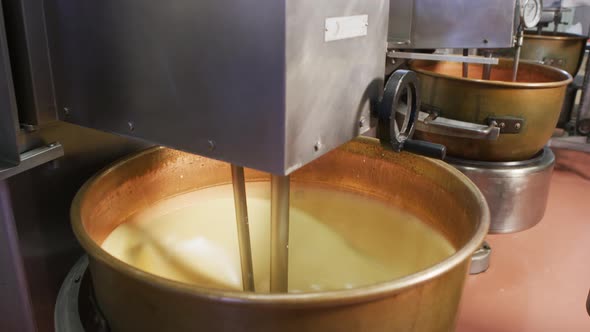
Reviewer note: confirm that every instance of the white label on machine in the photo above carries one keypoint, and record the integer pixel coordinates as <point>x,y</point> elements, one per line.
<point>346,27</point>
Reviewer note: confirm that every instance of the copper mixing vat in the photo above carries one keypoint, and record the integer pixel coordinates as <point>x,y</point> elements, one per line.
<point>525,111</point>
<point>558,49</point>
<point>133,300</point>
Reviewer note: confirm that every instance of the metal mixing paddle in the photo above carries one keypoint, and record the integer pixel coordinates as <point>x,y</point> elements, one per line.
<point>279,230</point>
<point>279,233</point>
<point>239,185</point>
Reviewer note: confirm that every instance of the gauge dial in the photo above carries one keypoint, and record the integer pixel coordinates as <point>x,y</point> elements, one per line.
<point>530,12</point>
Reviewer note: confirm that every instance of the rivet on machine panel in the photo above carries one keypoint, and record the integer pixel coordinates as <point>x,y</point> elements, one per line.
<point>316,147</point>
<point>211,145</point>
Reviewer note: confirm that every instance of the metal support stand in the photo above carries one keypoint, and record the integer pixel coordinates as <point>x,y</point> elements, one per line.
<point>15,300</point>
<point>15,303</point>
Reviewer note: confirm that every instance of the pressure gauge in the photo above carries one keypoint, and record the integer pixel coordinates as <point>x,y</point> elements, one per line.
<point>530,12</point>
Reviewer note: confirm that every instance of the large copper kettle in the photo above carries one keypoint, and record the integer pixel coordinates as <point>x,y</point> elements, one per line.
<point>490,120</point>
<point>133,300</point>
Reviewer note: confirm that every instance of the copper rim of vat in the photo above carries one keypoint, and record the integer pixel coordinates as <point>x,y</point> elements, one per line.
<point>490,120</point>
<point>432,190</point>
<point>559,49</point>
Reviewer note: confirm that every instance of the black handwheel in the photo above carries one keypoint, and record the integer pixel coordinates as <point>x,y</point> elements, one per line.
<point>405,83</point>
<point>401,82</point>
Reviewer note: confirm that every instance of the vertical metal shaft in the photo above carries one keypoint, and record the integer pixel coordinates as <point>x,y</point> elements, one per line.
<point>465,64</point>
<point>556,20</point>
<point>487,69</point>
<point>279,233</point>
<point>519,41</point>
<point>239,184</point>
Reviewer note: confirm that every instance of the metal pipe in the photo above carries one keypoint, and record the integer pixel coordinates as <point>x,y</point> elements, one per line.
<point>465,64</point>
<point>487,69</point>
<point>239,185</point>
<point>519,41</point>
<point>279,233</point>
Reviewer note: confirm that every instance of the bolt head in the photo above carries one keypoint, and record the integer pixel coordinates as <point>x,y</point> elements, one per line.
<point>211,145</point>
<point>317,146</point>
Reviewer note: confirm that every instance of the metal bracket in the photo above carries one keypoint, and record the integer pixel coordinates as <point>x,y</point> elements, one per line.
<point>554,62</point>
<point>31,159</point>
<point>507,124</point>
<point>480,261</point>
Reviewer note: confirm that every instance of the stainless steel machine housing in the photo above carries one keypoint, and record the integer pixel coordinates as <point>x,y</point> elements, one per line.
<point>271,85</point>
<point>432,24</point>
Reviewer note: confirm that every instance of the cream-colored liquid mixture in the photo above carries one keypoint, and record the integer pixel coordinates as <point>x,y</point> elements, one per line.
<point>338,240</point>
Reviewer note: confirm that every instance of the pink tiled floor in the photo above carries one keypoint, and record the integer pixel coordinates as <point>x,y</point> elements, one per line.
<point>538,279</point>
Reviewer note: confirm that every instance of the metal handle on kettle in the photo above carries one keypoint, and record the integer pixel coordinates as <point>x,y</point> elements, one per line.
<point>404,83</point>
<point>430,123</point>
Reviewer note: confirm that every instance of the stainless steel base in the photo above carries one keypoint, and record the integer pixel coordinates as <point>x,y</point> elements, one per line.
<point>75,309</point>
<point>516,191</point>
